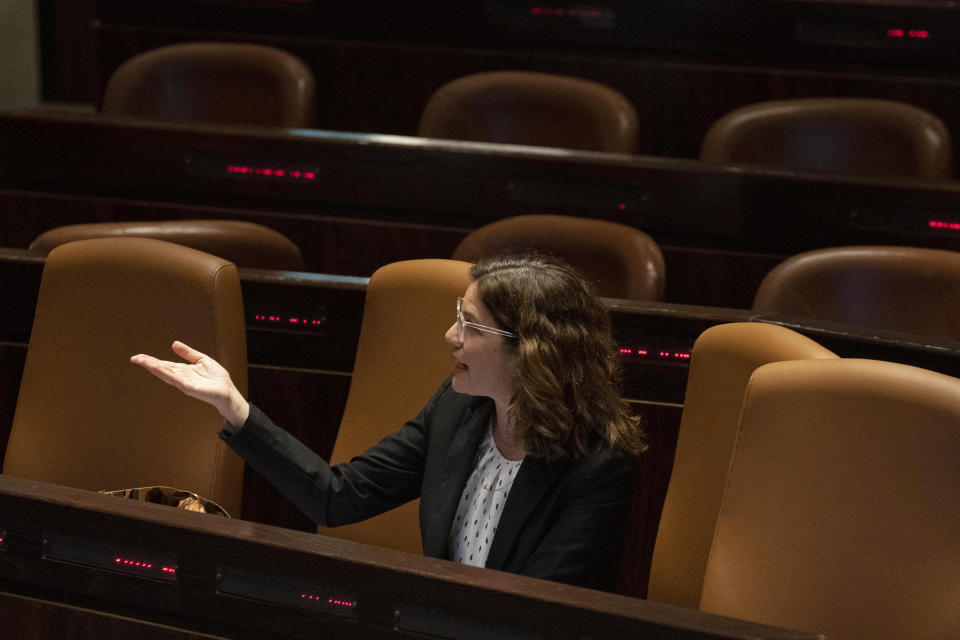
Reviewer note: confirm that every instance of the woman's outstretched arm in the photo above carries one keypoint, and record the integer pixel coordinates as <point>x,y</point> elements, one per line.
<point>200,377</point>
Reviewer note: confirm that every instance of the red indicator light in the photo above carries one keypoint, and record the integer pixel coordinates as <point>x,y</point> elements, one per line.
<point>622,206</point>
<point>127,562</point>
<point>169,570</point>
<point>895,33</point>
<point>918,33</point>
<point>942,224</point>
<point>270,172</point>
<point>341,603</point>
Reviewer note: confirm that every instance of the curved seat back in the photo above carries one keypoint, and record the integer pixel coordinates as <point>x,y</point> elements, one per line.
<point>852,136</point>
<point>909,289</point>
<point>214,82</point>
<point>620,261</point>
<point>723,359</point>
<point>525,107</point>
<point>402,358</point>
<point>246,244</point>
<point>88,418</point>
<point>840,511</point>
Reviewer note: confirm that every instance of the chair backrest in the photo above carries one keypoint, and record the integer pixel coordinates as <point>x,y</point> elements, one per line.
<point>214,82</point>
<point>246,244</point>
<point>620,261</point>
<point>853,136</point>
<point>524,107</point>
<point>840,513</point>
<point>722,361</point>
<point>906,289</point>
<point>85,416</point>
<point>401,360</point>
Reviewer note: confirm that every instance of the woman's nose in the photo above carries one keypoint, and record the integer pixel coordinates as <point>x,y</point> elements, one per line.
<point>452,336</point>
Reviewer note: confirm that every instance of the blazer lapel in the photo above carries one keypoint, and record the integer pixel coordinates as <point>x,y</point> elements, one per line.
<point>535,478</point>
<point>457,467</point>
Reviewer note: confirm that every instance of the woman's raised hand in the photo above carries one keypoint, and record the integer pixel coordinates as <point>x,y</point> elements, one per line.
<point>200,377</point>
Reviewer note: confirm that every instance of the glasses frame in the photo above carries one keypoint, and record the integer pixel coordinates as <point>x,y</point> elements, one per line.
<point>462,323</point>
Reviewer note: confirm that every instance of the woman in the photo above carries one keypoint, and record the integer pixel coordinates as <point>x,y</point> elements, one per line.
<point>524,458</point>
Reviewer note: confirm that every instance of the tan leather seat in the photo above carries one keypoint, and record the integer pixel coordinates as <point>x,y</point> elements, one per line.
<point>524,107</point>
<point>401,360</point>
<point>620,261</point>
<point>246,244</point>
<point>88,418</point>
<point>840,513</point>
<point>853,136</point>
<point>214,82</point>
<point>906,289</point>
<point>721,363</point>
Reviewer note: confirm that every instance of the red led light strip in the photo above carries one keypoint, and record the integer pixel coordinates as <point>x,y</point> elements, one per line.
<point>304,322</point>
<point>338,603</point>
<point>271,172</point>
<point>921,34</point>
<point>666,355</point>
<point>942,224</point>
<point>126,562</point>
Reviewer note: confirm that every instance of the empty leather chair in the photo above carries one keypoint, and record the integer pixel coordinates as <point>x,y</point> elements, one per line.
<point>525,107</point>
<point>214,82</point>
<point>620,261</point>
<point>722,361</point>
<point>85,416</point>
<point>907,289</point>
<point>246,244</point>
<point>840,513</point>
<point>402,358</point>
<point>852,136</point>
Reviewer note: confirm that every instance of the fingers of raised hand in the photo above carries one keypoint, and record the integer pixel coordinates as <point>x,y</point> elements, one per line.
<point>187,352</point>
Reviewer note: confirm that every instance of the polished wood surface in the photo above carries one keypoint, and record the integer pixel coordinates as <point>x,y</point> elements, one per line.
<point>393,594</point>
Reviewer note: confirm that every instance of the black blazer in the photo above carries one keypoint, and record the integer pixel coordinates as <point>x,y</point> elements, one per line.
<point>564,520</point>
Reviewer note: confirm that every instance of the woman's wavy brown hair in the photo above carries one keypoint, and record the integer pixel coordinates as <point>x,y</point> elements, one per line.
<point>568,387</point>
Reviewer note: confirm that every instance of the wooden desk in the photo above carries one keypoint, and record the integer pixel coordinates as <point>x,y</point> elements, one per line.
<point>240,579</point>
<point>375,199</point>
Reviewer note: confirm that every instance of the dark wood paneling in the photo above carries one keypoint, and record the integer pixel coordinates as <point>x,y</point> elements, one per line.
<point>393,591</point>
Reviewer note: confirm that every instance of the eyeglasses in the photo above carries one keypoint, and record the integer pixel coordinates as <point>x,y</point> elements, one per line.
<point>461,324</point>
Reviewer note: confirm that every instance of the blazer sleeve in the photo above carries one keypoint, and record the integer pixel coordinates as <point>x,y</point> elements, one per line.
<point>385,476</point>
<point>583,543</point>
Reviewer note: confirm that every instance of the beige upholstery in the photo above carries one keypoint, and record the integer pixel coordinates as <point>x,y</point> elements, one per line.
<point>897,288</point>
<point>524,107</point>
<point>854,136</point>
<point>214,82</point>
<point>246,244</point>
<point>620,261</point>
<point>721,363</point>
<point>88,418</point>
<point>402,358</point>
<point>840,513</point>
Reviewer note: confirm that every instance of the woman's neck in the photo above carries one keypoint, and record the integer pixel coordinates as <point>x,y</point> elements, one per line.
<point>505,435</point>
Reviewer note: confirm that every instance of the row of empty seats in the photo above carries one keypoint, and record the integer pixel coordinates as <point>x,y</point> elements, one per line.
<point>782,508</point>
<point>233,83</point>
<point>907,289</point>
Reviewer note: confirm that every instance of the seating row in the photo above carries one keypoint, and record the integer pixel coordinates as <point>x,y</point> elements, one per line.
<point>908,289</point>
<point>780,508</point>
<point>249,84</point>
